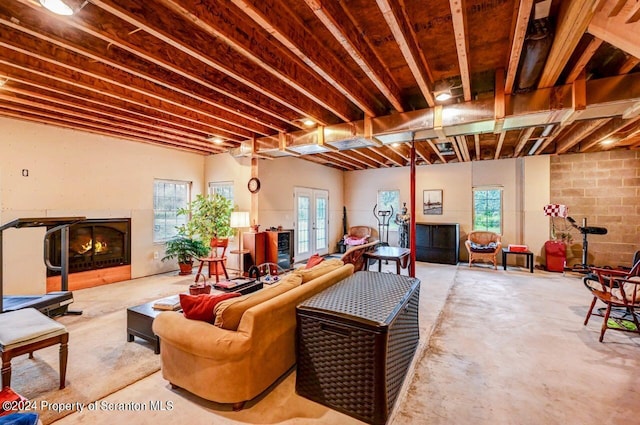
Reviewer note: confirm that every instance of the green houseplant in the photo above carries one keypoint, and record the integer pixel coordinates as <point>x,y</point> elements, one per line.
<point>184,249</point>
<point>209,218</point>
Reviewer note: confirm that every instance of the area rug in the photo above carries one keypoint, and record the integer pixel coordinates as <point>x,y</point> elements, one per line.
<point>101,361</point>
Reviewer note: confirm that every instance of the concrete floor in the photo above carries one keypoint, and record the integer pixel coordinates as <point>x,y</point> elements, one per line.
<point>497,347</point>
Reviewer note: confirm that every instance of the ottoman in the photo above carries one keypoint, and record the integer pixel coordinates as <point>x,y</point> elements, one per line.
<point>24,331</point>
<point>355,342</point>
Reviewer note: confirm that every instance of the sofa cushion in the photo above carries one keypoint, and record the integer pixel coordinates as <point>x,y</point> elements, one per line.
<point>228,313</point>
<point>324,267</point>
<point>490,247</point>
<point>201,307</point>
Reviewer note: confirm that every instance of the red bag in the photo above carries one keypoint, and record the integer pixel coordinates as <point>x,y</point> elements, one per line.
<point>556,256</point>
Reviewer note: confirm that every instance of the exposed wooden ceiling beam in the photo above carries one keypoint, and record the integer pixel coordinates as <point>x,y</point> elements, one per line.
<point>573,19</point>
<point>395,16</point>
<point>617,7</point>
<point>278,20</point>
<point>421,149</point>
<point>327,162</point>
<point>628,65</point>
<point>578,134</point>
<point>24,113</point>
<point>75,117</point>
<point>584,59</point>
<point>525,135</point>
<point>391,155</point>
<point>517,43</point>
<point>72,78</point>
<point>109,116</point>
<point>221,19</point>
<point>356,155</point>
<point>76,69</point>
<point>459,20</point>
<point>456,148</point>
<point>339,24</point>
<point>172,60</point>
<point>616,32</point>
<point>634,14</point>
<point>81,46</point>
<point>162,24</point>
<point>500,144</point>
<point>345,155</point>
<point>607,130</point>
<point>476,140</point>
<point>437,151</point>
<point>373,155</point>
<point>464,148</point>
<point>87,99</point>
<point>335,159</point>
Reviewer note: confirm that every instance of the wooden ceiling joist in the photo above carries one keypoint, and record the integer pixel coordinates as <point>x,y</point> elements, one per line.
<point>500,144</point>
<point>391,155</point>
<point>606,131</point>
<point>525,136</point>
<point>517,43</point>
<point>395,17</point>
<point>437,151</point>
<point>584,59</point>
<point>334,18</point>
<point>574,18</point>
<point>421,149</point>
<point>371,154</point>
<point>459,20</point>
<point>616,32</point>
<point>214,54</point>
<point>578,134</point>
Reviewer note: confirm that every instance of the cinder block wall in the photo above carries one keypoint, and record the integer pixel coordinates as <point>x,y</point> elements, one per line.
<point>604,187</point>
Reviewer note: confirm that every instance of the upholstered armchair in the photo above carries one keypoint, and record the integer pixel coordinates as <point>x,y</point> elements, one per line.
<point>358,235</point>
<point>483,246</point>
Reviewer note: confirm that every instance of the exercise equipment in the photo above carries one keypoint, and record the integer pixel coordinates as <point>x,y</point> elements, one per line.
<point>52,303</point>
<point>383,217</point>
<point>585,231</point>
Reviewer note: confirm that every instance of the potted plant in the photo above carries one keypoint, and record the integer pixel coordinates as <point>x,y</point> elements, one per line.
<point>184,249</point>
<point>209,218</point>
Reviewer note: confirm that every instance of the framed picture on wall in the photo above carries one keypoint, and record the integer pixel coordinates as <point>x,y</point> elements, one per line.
<point>432,202</point>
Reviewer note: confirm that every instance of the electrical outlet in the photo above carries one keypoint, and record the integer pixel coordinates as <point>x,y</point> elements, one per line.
<point>155,255</point>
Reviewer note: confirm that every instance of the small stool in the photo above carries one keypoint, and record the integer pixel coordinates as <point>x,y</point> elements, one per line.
<point>24,331</point>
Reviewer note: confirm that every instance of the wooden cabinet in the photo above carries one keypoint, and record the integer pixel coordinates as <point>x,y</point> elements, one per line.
<point>438,242</point>
<point>256,244</point>
<point>280,248</point>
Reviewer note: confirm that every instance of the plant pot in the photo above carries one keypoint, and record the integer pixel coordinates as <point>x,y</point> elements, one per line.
<point>185,268</point>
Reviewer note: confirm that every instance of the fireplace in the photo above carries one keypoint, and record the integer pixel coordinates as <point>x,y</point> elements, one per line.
<point>95,244</point>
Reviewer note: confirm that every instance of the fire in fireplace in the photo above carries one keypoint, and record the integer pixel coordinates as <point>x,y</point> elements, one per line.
<point>95,244</point>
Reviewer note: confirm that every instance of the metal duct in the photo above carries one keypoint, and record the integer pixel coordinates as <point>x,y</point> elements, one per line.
<point>536,48</point>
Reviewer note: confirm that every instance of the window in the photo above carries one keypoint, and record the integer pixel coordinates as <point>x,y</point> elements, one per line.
<point>487,209</point>
<point>222,188</point>
<point>168,197</point>
<point>388,199</point>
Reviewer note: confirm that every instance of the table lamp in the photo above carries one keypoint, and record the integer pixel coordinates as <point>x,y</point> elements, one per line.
<point>239,220</point>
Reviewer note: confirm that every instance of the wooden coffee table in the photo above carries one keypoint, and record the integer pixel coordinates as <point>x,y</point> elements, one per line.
<point>139,322</point>
<point>389,253</point>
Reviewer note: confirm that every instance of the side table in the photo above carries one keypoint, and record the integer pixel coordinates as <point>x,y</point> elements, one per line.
<point>528,254</point>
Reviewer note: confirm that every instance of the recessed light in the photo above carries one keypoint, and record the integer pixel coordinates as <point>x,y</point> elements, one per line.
<point>3,81</point>
<point>395,144</point>
<point>58,7</point>
<point>308,122</point>
<point>607,141</point>
<point>217,140</point>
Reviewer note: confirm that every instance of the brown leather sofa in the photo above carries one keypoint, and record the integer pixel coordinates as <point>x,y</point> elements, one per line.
<point>229,365</point>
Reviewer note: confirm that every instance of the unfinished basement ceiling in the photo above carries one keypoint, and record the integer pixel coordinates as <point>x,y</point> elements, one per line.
<point>208,76</point>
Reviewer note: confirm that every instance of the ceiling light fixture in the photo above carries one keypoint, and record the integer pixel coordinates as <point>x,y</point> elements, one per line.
<point>309,122</point>
<point>442,96</point>
<point>58,7</point>
<point>3,81</point>
<point>215,139</point>
<point>608,141</point>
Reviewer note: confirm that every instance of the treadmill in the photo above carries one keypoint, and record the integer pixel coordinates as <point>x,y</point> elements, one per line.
<point>52,303</point>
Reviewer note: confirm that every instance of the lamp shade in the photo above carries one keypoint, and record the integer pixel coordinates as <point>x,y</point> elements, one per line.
<point>239,219</point>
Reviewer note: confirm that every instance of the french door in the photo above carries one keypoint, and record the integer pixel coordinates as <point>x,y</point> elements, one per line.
<point>312,222</point>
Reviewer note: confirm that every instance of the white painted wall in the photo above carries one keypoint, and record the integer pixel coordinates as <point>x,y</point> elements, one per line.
<point>76,173</point>
<point>525,190</point>
<point>278,178</point>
